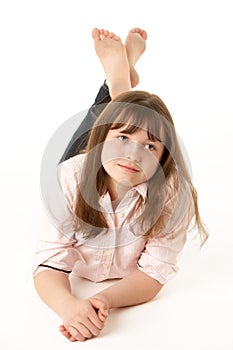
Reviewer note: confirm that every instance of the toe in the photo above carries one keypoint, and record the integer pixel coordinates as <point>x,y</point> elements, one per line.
<point>144,34</point>
<point>132,30</point>
<point>106,33</point>
<point>96,34</point>
<point>140,31</point>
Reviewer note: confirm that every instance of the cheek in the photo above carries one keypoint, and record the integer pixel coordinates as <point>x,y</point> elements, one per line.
<point>149,165</point>
<point>111,150</point>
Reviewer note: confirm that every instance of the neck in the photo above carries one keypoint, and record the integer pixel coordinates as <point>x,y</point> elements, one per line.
<point>118,190</point>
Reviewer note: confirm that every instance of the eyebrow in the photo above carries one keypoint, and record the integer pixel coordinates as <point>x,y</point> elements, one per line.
<point>129,133</point>
<point>156,140</point>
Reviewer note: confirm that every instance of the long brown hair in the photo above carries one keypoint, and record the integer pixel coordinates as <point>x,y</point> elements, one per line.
<point>137,108</point>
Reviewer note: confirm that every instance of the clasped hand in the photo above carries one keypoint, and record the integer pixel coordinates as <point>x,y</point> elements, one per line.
<point>84,319</point>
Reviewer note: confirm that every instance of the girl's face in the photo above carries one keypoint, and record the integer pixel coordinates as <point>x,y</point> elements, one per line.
<point>130,159</point>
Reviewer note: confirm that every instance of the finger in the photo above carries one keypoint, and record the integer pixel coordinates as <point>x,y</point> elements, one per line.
<point>93,317</point>
<point>72,339</point>
<point>83,329</point>
<point>67,334</point>
<point>99,305</point>
<point>76,334</point>
<point>64,331</point>
<point>95,321</point>
<point>104,311</point>
<point>92,328</point>
<point>62,328</point>
<point>101,316</point>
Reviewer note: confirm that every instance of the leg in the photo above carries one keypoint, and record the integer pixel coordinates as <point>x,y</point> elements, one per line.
<point>118,62</point>
<point>112,55</point>
<point>80,138</point>
<point>135,45</point>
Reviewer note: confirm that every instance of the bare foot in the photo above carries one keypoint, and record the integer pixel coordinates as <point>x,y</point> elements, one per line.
<point>113,57</point>
<point>135,45</point>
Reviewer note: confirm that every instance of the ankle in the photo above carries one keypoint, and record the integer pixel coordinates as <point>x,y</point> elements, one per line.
<point>119,88</point>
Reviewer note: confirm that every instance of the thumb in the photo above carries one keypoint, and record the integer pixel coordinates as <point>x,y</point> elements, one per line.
<point>100,305</point>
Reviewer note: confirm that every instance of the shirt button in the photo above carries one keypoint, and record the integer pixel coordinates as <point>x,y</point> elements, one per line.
<point>121,215</point>
<point>107,252</point>
<point>102,277</point>
<point>104,265</point>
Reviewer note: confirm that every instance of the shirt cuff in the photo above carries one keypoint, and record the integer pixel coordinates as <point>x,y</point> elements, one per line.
<point>161,272</point>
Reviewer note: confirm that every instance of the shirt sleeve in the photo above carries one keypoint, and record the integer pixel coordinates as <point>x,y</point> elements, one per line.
<point>56,247</point>
<point>158,259</point>
<point>160,255</point>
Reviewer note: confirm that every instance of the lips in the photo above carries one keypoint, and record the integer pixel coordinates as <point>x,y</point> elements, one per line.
<point>128,168</point>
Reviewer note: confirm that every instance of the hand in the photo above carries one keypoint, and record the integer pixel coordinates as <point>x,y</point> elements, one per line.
<point>81,321</point>
<point>101,306</point>
<point>78,328</point>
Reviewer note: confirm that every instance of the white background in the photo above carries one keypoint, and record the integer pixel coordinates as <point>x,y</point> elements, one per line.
<point>48,73</point>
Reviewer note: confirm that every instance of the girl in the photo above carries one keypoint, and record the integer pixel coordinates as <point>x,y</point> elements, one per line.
<point>128,199</point>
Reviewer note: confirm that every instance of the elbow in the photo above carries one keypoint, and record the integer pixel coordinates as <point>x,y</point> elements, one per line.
<point>156,288</point>
<point>151,286</point>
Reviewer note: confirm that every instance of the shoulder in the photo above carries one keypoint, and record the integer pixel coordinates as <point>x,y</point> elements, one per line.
<point>69,171</point>
<point>73,164</point>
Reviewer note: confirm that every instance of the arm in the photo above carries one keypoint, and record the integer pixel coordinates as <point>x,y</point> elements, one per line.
<point>136,288</point>
<point>54,289</point>
<point>79,316</point>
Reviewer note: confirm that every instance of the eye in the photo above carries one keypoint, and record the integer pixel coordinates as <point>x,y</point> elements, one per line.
<point>122,138</point>
<point>150,147</point>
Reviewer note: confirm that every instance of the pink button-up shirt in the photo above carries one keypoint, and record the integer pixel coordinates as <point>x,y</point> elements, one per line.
<point>113,254</point>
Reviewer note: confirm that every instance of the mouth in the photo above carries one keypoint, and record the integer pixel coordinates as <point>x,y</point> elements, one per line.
<point>128,168</point>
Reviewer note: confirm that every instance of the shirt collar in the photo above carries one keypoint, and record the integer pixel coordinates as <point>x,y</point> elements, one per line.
<point>142,190</point>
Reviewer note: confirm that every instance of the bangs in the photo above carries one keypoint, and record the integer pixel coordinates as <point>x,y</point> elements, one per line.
<point>148,120</point>
<point>131,117</point>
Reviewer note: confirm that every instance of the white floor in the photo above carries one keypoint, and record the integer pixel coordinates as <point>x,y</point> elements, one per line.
<point>193,311</point>
<point>49,73</point>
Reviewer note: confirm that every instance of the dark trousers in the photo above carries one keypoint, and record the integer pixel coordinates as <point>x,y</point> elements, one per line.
<point>80,138</point>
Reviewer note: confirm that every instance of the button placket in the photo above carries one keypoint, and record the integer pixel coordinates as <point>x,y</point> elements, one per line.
<point>105,263</point>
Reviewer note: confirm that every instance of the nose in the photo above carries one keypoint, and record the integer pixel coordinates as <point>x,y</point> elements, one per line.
<point>134,152</point>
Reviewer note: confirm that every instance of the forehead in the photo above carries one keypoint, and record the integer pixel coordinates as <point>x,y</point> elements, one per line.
<point>128,129</point>
<point>134,117</point>
<point>143,130</point>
